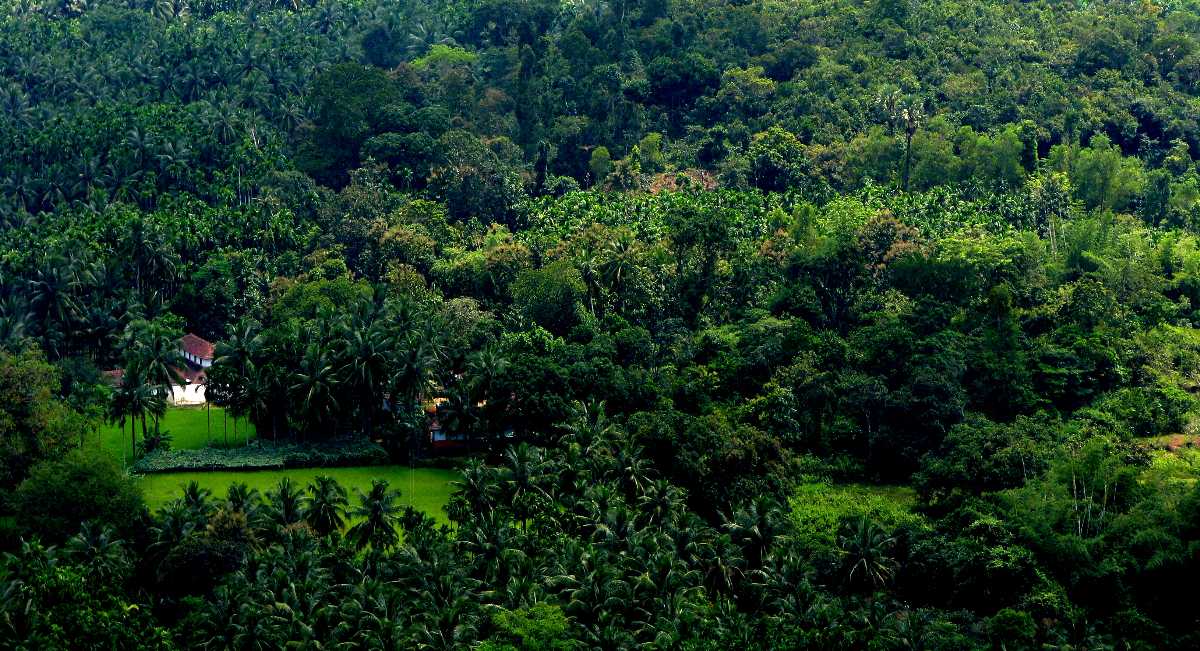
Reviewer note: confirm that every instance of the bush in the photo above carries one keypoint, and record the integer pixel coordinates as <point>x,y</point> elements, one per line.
<point>818,509</point>
<point>265,455</point>
<point>541,627</point>
<point>1014,629</point>
<point>60,495</point>
<point>159,441</point>
<point>197,564</point>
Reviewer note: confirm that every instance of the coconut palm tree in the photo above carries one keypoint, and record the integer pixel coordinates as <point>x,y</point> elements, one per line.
<point>98,550</point>
<point>54,290</point>
<point>523,465</point>
<point>317,387</point>
<point>196,498</point>
<point>156,347</point>
<point>242,499</point>
<point>172,524</point>
<point>364,344</point>
<point>379,511</point>
<point>754,529</point>
<point>241,347</point>
<point>138,399</point>
<point>413,365</point>
<point>325,505</point>
<point>476,494</point>
<point>621,261</point>
<point>285,503</point>
<point>152,347</point>
<point>255,398</point>
<point>119,409</point>
<point>866,553</point>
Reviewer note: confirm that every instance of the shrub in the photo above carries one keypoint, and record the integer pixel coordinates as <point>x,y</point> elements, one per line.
<point>264,455</point>
<point>1014,629</point>
<point>541,627</point>
<point>197,564</point>
<point>818,509</point>
<point>60,495</point>
<point>155,442</point>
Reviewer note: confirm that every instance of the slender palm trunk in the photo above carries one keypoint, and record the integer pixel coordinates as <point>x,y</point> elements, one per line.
<point>907,157</point>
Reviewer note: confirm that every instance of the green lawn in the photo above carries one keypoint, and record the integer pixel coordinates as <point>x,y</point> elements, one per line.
<point>427,489</point>
<point>189,428</point>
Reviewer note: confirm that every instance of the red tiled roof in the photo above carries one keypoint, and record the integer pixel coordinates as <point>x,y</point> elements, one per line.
<point>194,345</point>
<point>115,376</point>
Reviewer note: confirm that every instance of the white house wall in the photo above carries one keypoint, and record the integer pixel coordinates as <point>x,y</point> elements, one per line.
<point>192,394</point>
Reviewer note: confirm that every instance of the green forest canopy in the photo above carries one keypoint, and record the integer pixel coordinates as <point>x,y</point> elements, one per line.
<point>693,279</point>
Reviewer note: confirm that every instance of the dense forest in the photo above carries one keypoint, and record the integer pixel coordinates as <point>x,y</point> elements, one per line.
<point>801,324</point>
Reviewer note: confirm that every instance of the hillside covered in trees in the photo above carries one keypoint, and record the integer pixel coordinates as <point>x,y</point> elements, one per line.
<point>773,324</point>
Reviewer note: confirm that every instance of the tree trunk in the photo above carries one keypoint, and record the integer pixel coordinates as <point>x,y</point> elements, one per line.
<point>907,156</point>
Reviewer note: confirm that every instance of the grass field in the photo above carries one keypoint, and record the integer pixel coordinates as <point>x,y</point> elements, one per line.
<point>427,489</point>
<point>189,428</point>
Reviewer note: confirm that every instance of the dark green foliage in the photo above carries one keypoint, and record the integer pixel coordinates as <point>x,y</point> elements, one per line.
<point>949,248</point>
<point>53,602</point>
<point>33,424</point>
<point>60,495</point>
<point>348,101</point>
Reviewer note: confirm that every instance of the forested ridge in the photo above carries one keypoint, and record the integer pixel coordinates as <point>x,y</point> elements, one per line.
<point>764,325</point>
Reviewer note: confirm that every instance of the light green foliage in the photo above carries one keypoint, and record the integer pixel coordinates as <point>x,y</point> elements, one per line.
<point>995,158</point>
<point>550,296</point>
<point>650,153</point>
<point>306,299</point>
<point>600,165</point>
<point>443,56</point>
<point>777,160</point>
<point>1101,176</point>
<point>541,627</point>
<point>819,509</point>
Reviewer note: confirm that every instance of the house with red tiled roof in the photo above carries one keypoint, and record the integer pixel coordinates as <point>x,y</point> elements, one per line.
<point>196,350</point>
<point>197,355</point>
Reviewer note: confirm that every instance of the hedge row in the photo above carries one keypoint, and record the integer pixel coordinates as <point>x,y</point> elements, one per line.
<point>265,455</point>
